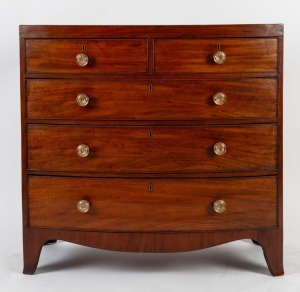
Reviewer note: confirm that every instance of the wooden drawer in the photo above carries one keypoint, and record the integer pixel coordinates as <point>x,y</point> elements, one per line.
<point>105,56</point>
<point>134,133</point>
<point>151,100</point>
<point>172,205</point>
<point>196,55</point>
<point>152,149</point>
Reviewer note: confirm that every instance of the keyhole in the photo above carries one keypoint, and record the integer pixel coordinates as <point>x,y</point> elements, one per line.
<point>150,187</point>
<point>150,134</point>
<point>150,87</point>
<point>218,47</point>
<point>83,47</point>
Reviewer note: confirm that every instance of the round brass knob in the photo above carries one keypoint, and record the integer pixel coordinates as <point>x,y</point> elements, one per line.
<point>219,57</point>
<point>83,206</point>
<point>220,148</point>
<point>219,98</point>
<point>82,60</point>
<point>220,206</point>
<point>83,150</point>
<point>82,99</point>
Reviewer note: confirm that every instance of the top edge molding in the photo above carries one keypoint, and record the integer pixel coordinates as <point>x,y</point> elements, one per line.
<point>151,31</point>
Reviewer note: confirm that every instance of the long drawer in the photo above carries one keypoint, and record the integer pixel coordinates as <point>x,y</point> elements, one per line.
<point>152,149</point>
<point>152,99</point>
<point>105,56</point>
<point>197,55</point>
<point>169,205</point>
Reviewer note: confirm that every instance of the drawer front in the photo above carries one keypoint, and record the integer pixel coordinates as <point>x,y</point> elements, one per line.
<point>151,100</point>
<point>197,55</point>
<point>172,205</point>
<point>104,56</point>
<point>152,149</point>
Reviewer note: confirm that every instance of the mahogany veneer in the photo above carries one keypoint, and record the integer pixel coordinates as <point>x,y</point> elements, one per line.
<point>155,144</point>
<point>54,99</point>
<point>106,56</point>
<point>127,205</point>
<point>194,55</point>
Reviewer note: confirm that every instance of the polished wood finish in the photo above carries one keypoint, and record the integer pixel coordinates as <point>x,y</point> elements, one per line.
<point>156,31</point>
<point>129,205</point>
<point>123,149</point>
<point>151,123</point>
<point>151,100</point>
<point>195,56</point>
<point>152,193</point>
<point>105,56</point>
<point>161,175</point>
<point>269,239</point>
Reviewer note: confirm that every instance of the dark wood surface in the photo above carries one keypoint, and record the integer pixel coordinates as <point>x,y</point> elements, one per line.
<point>155,31</point>
<point>159,175</point>
<point>195,56</point>
<point>152,76</point>
<point>122,205</point>
<point>252,78</point>
<point>269,239</point>
<point>151,100</point>
<point>169,149</point>
<point>105,56</point>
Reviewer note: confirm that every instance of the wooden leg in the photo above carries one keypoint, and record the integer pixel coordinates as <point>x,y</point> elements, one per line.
<point>270,240</point>
<point>272,245</point>
<point>32,246</point>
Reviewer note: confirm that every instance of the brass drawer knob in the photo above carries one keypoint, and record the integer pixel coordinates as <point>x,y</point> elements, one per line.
<point>83,206</point>
<point>82,60</point>
<point>219,57</point>
<point>82,99</point>
<point>220,148</point>
<point>219,98</point>
<point>83,150</point>
<point>219,206</point>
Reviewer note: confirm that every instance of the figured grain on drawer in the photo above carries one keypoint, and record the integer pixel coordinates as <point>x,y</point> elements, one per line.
<point>152,149</point>
<point>151,100</point>
<point>196,55</point>
<point>105,56</point>
<point>172,205</point>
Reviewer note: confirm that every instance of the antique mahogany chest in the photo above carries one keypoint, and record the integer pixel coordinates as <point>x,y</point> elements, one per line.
<point>152,138</point>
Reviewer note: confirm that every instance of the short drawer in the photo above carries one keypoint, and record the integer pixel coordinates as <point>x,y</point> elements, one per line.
<point>168,205</point>
<point>152,149</point>
<point>151,100</point>
<point>104,56</point>
<point>197,55</point>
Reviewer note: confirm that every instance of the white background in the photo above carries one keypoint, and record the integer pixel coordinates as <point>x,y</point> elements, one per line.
<point>237,266</point>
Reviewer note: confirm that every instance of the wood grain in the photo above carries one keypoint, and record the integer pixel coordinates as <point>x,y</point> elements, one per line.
<point>105,56</point>
<point>169,150</point>
<point>167,100</point>
<point>195,56</point>
<point>172,205</point>
<point>269,239</point>
<point>182,120</point>
<point>155,31</point>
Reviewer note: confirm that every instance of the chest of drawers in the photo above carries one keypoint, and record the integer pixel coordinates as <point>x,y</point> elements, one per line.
<point>152,138</point>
